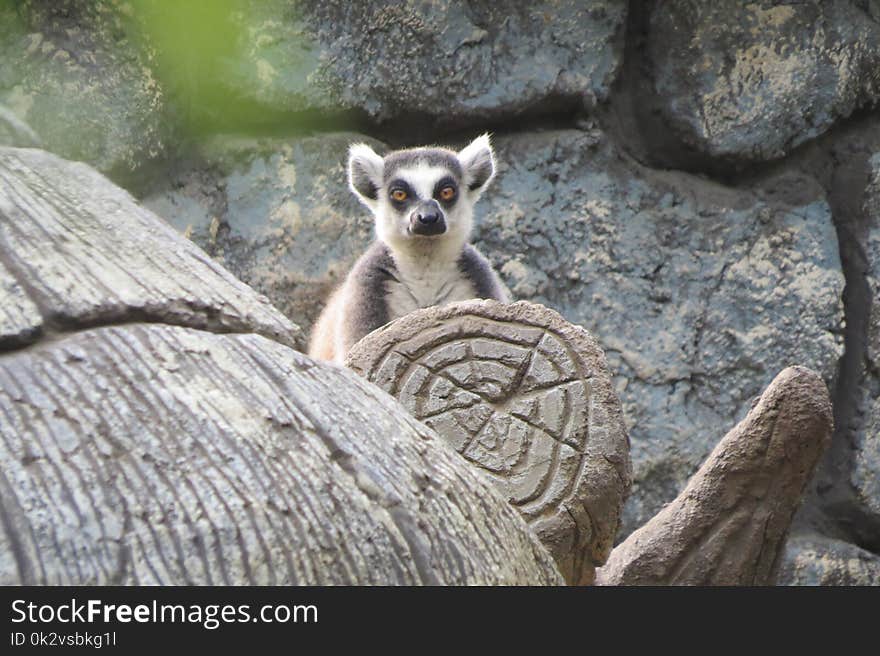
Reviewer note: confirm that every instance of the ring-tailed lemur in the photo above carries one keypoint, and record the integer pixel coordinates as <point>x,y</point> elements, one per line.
<point>423,202</point>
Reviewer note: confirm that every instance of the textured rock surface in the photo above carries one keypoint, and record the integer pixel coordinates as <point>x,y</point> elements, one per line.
<point>165,455</point>
<point>70,71</point>
<point>728,526</point>
<point>866,466</point>
<point>526,397</point>
<point>816,560</point>
<point>754,80</point>
<point>82,251</point>
<point>452,61</point>
<point>277,213</point>
<point>698,293</point>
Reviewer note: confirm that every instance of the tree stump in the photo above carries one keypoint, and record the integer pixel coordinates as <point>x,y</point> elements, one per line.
<point>526,397</point>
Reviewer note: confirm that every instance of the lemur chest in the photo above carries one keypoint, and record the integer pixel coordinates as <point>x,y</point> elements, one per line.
<point>407,293</point>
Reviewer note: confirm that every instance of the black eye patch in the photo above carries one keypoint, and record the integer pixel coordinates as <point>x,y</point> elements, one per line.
<point>450,182</point>
<point>395,187</point>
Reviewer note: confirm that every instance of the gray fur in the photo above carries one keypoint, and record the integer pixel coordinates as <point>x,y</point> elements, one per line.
<point>362,182</point>
<point>440,157</point>
<point>480,171</point>
<point>366,309</point>
<point>476,268</point>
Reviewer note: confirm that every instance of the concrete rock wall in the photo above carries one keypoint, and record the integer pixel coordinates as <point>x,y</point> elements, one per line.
<point>694,182</point>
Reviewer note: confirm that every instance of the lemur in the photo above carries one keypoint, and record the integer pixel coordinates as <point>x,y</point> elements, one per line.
<point>423,203</point>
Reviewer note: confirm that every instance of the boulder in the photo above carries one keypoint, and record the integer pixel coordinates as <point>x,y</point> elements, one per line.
<point>847,492</point>
<point>526,397</point>
<point>752,81</point>
<point>865,436</point>
<point>812,559</point>
<point>72,72</point>
<point>729,525</point>
<point>154,437</point>
<point>451,62</point>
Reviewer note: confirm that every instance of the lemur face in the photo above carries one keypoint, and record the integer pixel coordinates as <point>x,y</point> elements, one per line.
<point>421,194</point>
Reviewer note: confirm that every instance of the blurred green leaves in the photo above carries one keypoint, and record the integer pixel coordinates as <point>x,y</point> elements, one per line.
<point>191,44</point>
<point>206,54</point>
<point>120,82</point>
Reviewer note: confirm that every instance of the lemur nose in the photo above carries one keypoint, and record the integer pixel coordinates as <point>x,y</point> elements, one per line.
<point>428,217</point>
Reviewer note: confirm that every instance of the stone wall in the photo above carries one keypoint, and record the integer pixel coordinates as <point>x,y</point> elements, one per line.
<point>695,182</point>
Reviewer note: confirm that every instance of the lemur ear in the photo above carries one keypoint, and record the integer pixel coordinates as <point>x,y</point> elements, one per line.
<point>365,173</point>
<point>478,161</point>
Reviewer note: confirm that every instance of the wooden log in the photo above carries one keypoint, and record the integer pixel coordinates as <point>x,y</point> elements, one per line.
<point>152,454</point>
<point>524,396</point>
<point>86,254</point>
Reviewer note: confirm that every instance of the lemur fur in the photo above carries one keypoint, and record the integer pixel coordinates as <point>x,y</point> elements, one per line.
<point>423,201</point>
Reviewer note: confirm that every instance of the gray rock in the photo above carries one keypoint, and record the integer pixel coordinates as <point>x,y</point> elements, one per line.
<point>728,526</point>
<point>526,397</point>
<point>817,560</point>
<point>78,251</point>
<point>698,293</point>
<point>452,61</point>
<point>150,454</point>
<point>277,213</point>
<point>865,476</point>
<point>754,80</point>
<point>72,72</point>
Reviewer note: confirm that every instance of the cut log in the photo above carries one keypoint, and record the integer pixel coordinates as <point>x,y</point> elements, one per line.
<point>526,397</point>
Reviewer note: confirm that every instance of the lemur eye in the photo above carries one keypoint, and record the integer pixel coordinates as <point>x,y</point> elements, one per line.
<point>447,193</point>
<point>399,195</point>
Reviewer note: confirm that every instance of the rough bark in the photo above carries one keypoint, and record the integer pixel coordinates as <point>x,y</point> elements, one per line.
<point>150,454</point>
<point>84,253</point>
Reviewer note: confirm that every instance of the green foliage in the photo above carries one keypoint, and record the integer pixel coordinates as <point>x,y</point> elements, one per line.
<point>194,47</point>
<point>189,43</point>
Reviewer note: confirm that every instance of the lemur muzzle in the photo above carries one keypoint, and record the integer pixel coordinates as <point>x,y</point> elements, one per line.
<point>427,219</point>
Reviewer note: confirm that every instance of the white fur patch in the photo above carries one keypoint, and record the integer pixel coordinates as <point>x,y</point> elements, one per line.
<point>432,285</point>
<point>364,164</point>
<point>393,227</point>
<point>478,161</point>
<point>422,178</point>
